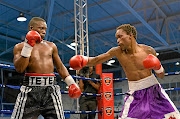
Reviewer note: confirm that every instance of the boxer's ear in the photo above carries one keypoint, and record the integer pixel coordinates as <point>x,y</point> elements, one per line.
<point>131,36</point>
<point>30,27</point>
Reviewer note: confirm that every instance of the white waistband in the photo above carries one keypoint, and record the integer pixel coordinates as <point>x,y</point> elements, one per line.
<point>143,83</point>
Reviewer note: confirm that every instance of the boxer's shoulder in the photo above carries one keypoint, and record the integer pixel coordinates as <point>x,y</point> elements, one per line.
<point>51,44</point>
<point>148,49</point>
<point>115,49</point>
<point>48,42</point>
<point>19,46</point>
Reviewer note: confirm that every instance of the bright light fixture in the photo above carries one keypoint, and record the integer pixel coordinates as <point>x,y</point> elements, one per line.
<point>157,54</point>
<point>21,17</point>
<point>67,87</point>
<point>109,64</point>
<point>177,63</point>
<point>70,68</point>
<point>71,47</point>
<point>111,61</point>
<point>73,44</point>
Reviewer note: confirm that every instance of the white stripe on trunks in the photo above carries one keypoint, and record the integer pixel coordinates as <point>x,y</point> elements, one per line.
<point>127,105</point>
<point>167,97</point>
<point>57,103</point>
<point>20,104</point>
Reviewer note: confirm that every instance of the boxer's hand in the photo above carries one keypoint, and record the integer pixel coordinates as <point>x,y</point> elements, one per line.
<point>152,62</point>
<point>32,37</point>
<point>77,62</point>
<point>74,91</point>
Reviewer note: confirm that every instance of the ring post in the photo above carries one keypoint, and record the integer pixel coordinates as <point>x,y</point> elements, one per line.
<point>98,68</point>
<point>107,96</point>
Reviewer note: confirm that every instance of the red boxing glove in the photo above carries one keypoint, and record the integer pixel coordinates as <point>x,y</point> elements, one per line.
<point>74,91</point>
<point>77,62</point>
<point>32,37</point>
<point>152,62</point>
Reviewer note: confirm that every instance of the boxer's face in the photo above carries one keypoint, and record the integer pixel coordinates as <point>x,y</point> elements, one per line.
<point>123,40</point>
<point>40,27</point>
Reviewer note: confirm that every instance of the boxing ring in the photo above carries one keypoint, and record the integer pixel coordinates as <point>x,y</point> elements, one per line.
<point>107,112</point>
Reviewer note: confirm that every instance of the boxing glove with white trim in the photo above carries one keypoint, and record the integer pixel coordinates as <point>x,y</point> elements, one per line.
<point>74,90</point>
<point>152,62</point>
<point>31,38</point>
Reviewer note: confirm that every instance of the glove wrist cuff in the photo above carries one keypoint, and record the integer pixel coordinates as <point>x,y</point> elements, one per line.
<point>69,80</point>
<point>159,70</point>
<point>26,50</point>
<point>86,58</point>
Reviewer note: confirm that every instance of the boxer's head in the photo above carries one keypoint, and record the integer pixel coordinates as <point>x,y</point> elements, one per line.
<point>38,24</point>
<point>130,30</point>
<point>125,34</point>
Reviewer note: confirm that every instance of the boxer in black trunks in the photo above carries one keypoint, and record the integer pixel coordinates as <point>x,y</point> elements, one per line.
<point>39,92</point>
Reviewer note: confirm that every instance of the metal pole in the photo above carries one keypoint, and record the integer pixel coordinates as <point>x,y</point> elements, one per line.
<point>2,90</point>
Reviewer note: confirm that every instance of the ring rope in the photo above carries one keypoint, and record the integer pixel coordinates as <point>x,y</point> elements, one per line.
<point>88,94</point>
<point>78,77</point>
<point>68,112</point>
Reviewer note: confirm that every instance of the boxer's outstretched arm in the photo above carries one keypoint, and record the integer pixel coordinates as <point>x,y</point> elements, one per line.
<point>101,58</point>
<point>78,61</point>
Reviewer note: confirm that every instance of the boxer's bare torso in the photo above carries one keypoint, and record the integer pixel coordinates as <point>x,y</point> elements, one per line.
<point>132,64</point>
<point>41,60</point>
<point>130,54</point>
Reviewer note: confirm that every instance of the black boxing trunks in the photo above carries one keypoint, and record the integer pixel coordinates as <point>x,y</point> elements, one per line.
<point>39,95</point>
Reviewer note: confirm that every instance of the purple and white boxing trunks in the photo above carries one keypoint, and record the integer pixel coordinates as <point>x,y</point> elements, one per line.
<point>147,100</point>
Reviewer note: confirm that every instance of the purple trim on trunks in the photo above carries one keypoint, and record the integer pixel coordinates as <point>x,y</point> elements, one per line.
<point>148,103</point>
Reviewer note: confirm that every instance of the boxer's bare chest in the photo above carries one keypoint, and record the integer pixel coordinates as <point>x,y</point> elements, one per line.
<point>42,51</point>
<point>41,58</point>
<point>133,61</point>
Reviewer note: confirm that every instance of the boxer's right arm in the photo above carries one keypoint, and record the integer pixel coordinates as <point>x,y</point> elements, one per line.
<point>31,38</point>
<point>20,63</point>
<point>22,51</point>
<point>77,62</point>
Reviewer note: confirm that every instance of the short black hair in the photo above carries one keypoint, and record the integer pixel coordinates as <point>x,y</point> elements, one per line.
<point>128,29</point>
<point>34,20</point>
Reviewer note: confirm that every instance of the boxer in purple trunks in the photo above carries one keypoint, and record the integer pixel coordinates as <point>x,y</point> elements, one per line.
<point>145,98</point>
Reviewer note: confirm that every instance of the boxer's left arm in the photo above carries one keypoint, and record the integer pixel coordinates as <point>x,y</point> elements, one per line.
<point>74,90</point>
